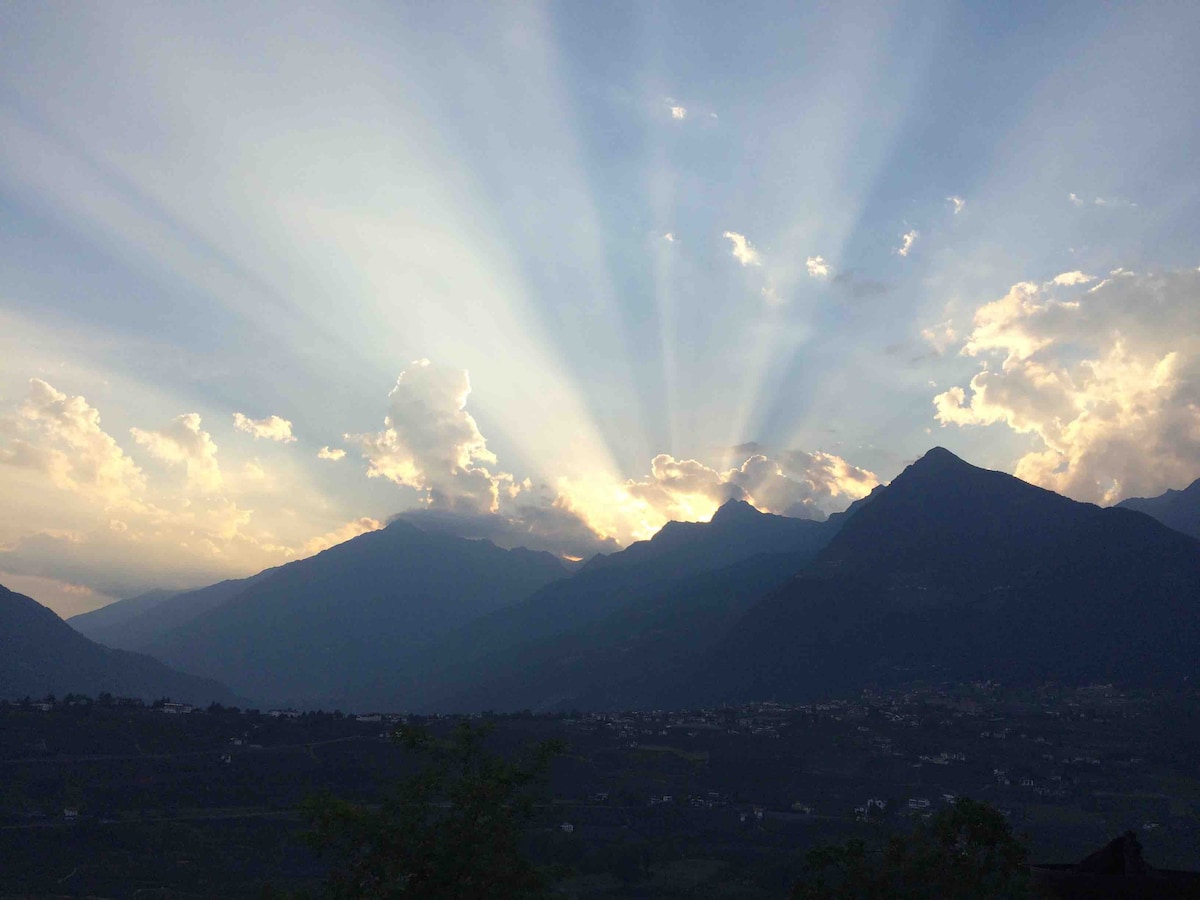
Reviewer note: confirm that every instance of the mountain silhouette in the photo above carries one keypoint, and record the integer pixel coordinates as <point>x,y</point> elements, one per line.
<point>41,654</point>
<point>1175,509</point>
<point>958,572</point>
<point>137,623</point>
<point>612,600</point>
<point>304,633</point>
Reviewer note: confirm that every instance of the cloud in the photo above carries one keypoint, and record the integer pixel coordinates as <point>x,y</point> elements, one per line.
<point>906,242</point>
<point>61,437</point>
<point>957,202</point>
<point>1107,383</point>
<point>679,112</point>
<point>1075,199</point>
<point>273,428</point>
<point>799,484</point>
<point>743,252</point>
<point>184,441</point>
<point>669,237</point>
<point>82,512</point>
<point>431,443</point>
<point>940,336</point>
<point>333,455</point>
<point>771,295</point>
<point>1067,279</point>
<point>817,267</point>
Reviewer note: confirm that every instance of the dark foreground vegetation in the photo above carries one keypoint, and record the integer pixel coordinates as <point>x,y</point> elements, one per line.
<point>100,797</point>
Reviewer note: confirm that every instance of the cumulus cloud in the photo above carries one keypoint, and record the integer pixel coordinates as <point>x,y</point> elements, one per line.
<point>61,437</point>
<point>817,267</point>
<point>273,428</point>
<point>798,484</point>
<point>182,440</point>
<point>906,242</point>
<point>1066,279</point>
<point>82,512</point>
<point>333,455</point>
<point>431,443</point>
<point>669,237</point>
<point>940,337</point>
<point>957,202</point>
<point>743,252</point>
<point>1107,383</point>
<point>678,112</point>
<point>1075,199</point>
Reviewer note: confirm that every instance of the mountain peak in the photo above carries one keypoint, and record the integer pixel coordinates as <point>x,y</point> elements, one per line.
<point>733,511</point>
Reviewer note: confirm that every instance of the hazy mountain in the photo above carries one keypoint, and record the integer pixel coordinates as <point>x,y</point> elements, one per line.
<point>307,631</point>
<point>959,572</point>
<point>41,654</point>
<point>98,622</point>
<point>1175,509</point>
<point>135,624</point>
<point>612,600</point>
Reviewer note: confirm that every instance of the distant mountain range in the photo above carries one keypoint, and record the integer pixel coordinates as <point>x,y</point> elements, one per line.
<point>1175,509</point>
<point>308,632</point>
<point>40,654</point>
<point>949,572</point>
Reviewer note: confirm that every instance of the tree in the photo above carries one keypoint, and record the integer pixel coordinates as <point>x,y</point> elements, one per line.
<point>451,831</point>
<point>966,852</point>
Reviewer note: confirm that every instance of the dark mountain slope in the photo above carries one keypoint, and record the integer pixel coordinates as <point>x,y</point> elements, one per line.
<point>497,646</point>
<point>630,659</point>
<point>309,630</point>
<point>1175,509</point>
<point>41,654</point>
<point>958,572</point>
<point>139,627</point>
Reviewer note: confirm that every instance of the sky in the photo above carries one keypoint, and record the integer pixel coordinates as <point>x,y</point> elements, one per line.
<point>555,274</point>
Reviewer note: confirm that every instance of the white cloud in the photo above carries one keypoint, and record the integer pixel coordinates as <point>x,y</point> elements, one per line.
<point>431,443</point>
<point>743,252</point>
<point>817,267</point>
<point>333,455</point>
<point>61,437</point>
<point>184,441</point>
<point>957,202</point>
<point>1108,384</point>
<point>906,242</point>
<point>771,295</point>
<point>1071,278</point>
<point>1075,199</point>
<point>272,428</point>
<point>804,485</point>
<point>678,112</point>
<point>669,237</point>
<point>940,336</point>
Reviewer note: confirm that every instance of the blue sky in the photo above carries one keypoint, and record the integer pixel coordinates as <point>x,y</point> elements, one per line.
<point>599,265</point>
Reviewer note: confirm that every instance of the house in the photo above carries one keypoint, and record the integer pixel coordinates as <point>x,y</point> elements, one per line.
<point>918,803</point>
<point>176,709</point>
<point>567,827</point>
<point>71,814</point>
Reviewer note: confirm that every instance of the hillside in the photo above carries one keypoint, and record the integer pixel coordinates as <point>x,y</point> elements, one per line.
<point>41,654</point>
<point>1175,509</point>
<point>305,633</point>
